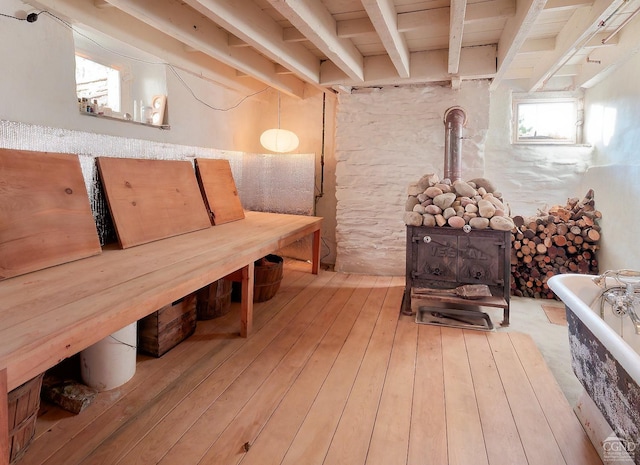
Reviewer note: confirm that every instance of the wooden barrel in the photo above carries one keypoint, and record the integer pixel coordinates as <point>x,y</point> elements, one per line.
<point>214,300</point>
<point>24,403</point>
<point>267,277</point>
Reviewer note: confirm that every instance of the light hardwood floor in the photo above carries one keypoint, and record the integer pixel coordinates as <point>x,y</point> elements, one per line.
<point>332,375</point>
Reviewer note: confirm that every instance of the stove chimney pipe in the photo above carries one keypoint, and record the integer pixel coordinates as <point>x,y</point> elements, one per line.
<point>454,119</point>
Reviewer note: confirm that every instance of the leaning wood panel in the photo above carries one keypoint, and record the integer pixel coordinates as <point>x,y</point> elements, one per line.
<point>45,218</point>
<point>152,199</point>
<point>219,189</point>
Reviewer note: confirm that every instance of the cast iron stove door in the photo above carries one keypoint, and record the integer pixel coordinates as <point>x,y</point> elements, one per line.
<point>435,257</point>
<point>480,260</point>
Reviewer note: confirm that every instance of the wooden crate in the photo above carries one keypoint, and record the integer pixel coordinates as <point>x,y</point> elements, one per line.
<point>167,327</point>
<point>24,403</point>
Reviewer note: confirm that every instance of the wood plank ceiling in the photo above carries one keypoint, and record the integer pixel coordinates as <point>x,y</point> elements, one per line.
<point>336,45</point>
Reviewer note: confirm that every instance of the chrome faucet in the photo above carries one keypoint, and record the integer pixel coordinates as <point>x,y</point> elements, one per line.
<point>622,293</point>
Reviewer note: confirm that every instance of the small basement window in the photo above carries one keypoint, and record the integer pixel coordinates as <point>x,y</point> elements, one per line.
<point>547,120</point>
<point>97,82</point>
<point>127,83</point>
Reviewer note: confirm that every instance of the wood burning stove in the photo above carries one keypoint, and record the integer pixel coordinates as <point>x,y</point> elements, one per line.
<point>445,258</point>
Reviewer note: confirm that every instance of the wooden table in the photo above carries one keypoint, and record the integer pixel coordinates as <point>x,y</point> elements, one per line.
<point>52,314</point>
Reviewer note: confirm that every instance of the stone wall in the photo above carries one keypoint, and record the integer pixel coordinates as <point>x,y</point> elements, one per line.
<point>387,138</point>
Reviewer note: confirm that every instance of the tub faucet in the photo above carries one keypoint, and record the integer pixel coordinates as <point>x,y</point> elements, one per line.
<point>633,299</point>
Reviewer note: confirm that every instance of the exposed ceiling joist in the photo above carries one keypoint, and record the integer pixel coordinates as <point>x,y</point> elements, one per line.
<point>114,23</point>
<point>385,19</point>
<point>317,24</point>
<point>339,44</point>
<point>191,28</point>
<point>456,28</point>
<point>514,36</point>
<point>582,26</point>
<point>246,21</point>
<point>628,43</point>
<point>432,66</point>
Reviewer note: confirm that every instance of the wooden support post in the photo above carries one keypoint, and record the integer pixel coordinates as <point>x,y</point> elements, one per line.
<point>246,302</point>
<point>4,418</point>
<point>315,257</point>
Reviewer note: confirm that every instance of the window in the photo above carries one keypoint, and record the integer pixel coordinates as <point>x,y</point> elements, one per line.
<point>97,82</point>
<point>547,120</point>
<point>122,78</point>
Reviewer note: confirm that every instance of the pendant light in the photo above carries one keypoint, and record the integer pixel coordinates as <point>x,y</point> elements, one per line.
<point>279,140</point>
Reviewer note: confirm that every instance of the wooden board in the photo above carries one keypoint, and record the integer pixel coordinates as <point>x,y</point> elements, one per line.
<point>152,199</point>
<point>219,190</point>
<point>45,217</point>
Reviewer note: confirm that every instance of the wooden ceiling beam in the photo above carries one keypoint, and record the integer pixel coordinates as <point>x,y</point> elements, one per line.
<point>580,28</point>
<point>188,26</point>
<point>430,66</point>
<point>628,43</point>
<point>456,29</point>
<point>482,11</point>
<point>317,24</point>
<point>382,14</point>
<point>349,28</point>
<point>117,24</point>
<point>248,22</point>
<point>514,35</point>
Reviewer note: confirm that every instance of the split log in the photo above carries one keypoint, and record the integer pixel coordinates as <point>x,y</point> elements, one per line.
<point>560,239</point>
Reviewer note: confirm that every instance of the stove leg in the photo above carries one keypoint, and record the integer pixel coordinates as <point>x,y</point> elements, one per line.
<point>505,317</point>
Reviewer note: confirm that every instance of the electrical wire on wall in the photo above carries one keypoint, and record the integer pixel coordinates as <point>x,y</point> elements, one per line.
<point>33,17</point>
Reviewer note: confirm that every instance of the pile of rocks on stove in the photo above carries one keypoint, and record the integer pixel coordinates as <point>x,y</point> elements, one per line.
<point>439,202</point>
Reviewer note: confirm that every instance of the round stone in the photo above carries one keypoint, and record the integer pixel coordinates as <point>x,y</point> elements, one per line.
<point>479,223</point>
<point>501,223</point>
<point>412,219</point>
<point>456,222</point>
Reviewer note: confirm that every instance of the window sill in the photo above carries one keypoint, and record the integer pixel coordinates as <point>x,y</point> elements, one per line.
<point>549,144</point>
<point>123,120</point>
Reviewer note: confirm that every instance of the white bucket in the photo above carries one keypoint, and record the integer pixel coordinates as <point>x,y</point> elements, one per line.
<point>111,362</point>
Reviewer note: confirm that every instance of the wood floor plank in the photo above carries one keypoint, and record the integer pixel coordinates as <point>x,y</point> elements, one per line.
<point>140,422</point>
<point>351,440</point>
<point>273,441</point>
<point>500,433</point>
<point>390,439</point>
<point>570,436</point>
<point>537,438</point>
<point>428,435</point>
<point>110,409</point>
<point>224,392</point>
<point>314,436</point>
<point>331,376</point>
<point>465,442</point>
<point>230,447</point>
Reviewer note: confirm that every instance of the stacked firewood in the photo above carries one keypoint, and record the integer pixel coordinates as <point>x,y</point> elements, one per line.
<point>560,239</point>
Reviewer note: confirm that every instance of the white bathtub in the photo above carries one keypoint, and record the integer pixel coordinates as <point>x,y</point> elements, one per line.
<point>607,365</point>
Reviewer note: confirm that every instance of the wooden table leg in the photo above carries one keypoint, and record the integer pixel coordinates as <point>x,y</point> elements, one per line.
<point>4,419</point>
<point>315,257</point>
<point>246,300</point>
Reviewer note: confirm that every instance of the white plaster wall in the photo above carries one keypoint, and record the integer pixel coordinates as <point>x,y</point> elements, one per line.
<point>531,176</point>
<point>612,114</point>
<point>387,138</point>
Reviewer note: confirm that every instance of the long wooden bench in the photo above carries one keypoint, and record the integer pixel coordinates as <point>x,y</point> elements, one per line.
<point>54,313</point>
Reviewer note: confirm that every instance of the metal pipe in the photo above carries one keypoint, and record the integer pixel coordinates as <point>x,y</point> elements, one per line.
<point>454,119</point>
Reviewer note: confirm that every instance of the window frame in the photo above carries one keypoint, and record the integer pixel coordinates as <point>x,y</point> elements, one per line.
<point>542,98</point>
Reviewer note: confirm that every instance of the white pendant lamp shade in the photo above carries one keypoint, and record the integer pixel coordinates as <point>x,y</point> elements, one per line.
<point>279,140</point>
